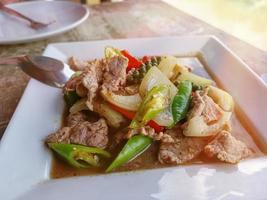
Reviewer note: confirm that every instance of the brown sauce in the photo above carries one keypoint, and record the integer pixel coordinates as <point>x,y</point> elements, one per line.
<point>242,129</point>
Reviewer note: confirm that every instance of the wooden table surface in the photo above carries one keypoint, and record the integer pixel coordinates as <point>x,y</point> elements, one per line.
<point>118,20</point>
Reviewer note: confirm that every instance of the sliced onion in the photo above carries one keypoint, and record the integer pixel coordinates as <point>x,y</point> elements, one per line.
<point>79,106</point>
<point>113,118</point>
<point>164,118</point>
<point>167,65</point>
<point>197,127</point>
<point>130,102</point>
<point>154,77</point>
<point>197,80</point>
<point>222,98</point>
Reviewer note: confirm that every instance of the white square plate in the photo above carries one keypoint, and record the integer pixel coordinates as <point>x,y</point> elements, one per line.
<point>25,162</point>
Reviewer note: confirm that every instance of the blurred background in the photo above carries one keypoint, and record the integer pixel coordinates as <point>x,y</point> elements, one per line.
<point>245,19</point>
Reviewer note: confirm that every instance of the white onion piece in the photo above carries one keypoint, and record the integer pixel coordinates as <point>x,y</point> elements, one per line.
<point>154,77</point>
<point>197,127</point>
<point>222,98</point>
<point>79,106</point>
<point>167,65</point>
<point>113,118</point>
<point>130,102</point>
<point>164,118</point>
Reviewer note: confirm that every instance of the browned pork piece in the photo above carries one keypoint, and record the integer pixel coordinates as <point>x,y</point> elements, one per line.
<point>75,118</point>
<point>205,106</point>
<point>114,73</point>
<point>83,132</point>
<point>205,118</point>
<point>182,150</point>
<point>76,64</point>
<point>106,74</point>
<point>224,147</point>
<point>92,78</point>
<point>75,84</point>
<point>227,148</point>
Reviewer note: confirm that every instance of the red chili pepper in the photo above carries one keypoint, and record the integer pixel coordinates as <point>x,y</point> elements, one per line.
<point>155,126</point>
<point>146,59</point>
<point>130,115</point>
<point>126,113</point>
<point>132,61</point>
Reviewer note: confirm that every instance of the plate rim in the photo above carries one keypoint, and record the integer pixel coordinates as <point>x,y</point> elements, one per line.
<point>48,34</point>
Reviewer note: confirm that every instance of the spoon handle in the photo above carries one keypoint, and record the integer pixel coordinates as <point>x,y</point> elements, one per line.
<point>14,12</point>
<point>33,24</point>
<point>12,60</point>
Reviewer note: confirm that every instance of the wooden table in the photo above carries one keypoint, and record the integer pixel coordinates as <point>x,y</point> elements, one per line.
<point>127,19</point>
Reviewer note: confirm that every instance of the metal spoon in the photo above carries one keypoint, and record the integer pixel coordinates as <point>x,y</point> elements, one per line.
<point>33,24</point>
<point>44,69</point>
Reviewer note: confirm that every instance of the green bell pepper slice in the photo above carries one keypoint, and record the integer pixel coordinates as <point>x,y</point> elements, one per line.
<point>181,101</point>
<point>134,147</point>
<point>77,155</point>
<point>154,102</point>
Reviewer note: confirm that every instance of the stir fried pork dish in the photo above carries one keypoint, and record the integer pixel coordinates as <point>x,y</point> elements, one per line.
<point>126,113</point>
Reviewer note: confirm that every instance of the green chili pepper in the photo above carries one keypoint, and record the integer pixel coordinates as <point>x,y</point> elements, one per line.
<point>78,155</point>
<point>181,101</point>
<point>134,147</point>
<point>154,102</point>
<point>71,97</point>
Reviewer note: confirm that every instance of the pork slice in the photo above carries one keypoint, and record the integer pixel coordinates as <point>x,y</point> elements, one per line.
<point>71,84</point>
<point>92,80</point>
<point>61,136</point>
<point>98,65</point>
<point>75,84</point>
<point>227,148</point>
<point>91,84</point>
<point>115,73</point>
<point>88,82</point>
<point>90,134</point>
<point>211,112</point>
<point>86,133</point>
<point>75,118</point>
<point>205,118</point>
<point>76,64</point>
<point>182,150</point>
<point>206,107</point>
<point>81,90</point>
<point>198,105</point>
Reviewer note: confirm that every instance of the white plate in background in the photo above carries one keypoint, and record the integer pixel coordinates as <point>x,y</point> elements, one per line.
<point>65,16</point>
<point>25,162</point>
